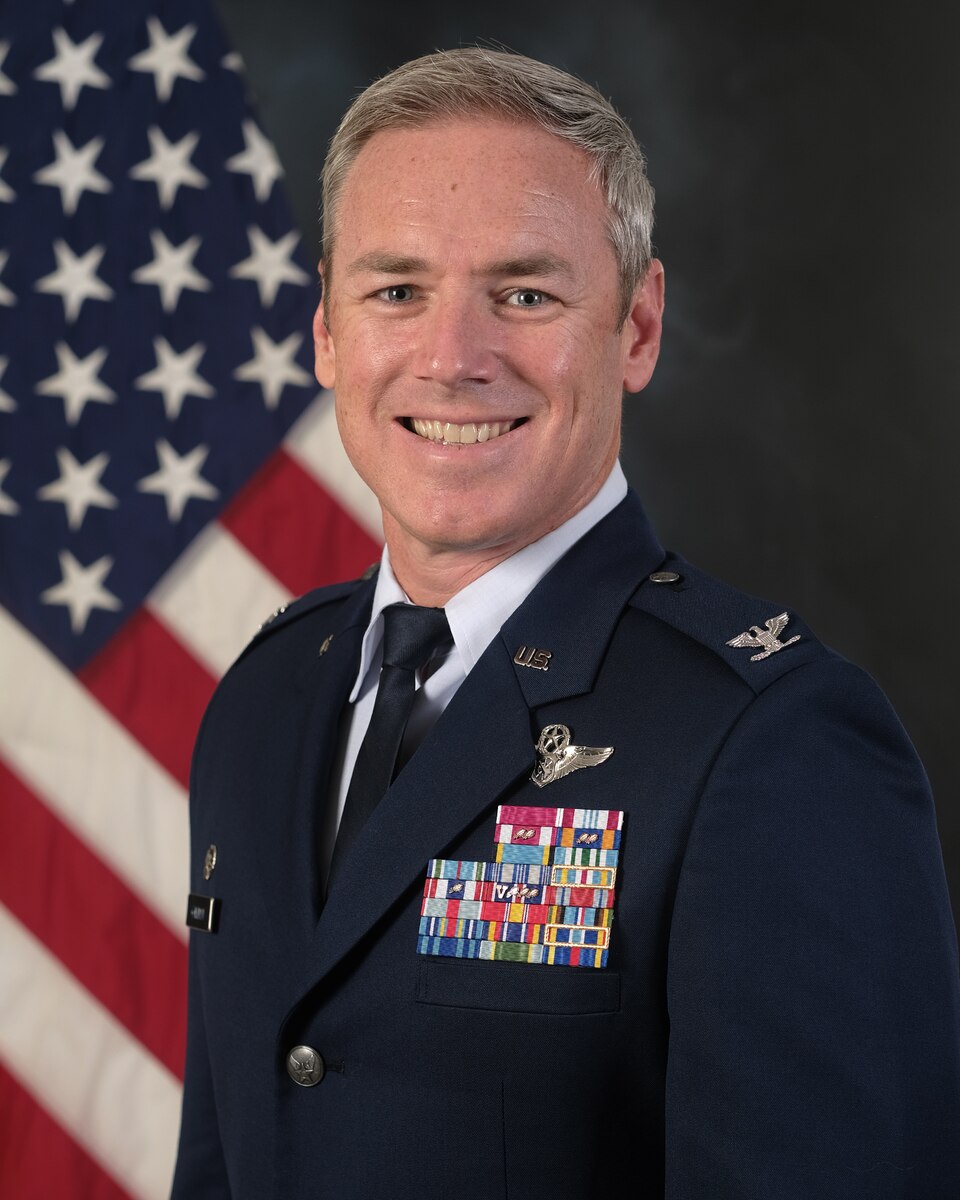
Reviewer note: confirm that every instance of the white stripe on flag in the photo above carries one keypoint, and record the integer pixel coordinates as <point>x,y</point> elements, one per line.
<point>215,597</point>
<point>84,1068</point>
<point>93,774</point>
<point>314,441</point>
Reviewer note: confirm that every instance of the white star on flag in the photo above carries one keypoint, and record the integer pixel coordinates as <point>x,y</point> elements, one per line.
<point>7,298</point>
<point>79,487</point>
<point>72,66</point>
<point>7,86</point>
<point>81,589</point>
<point>7,194</point>
<point>72,171</point>
<point>269,264</point>
<point>169,165</point>
<point>75,279</point>
<point>179,478</point>
<point>7,402</point>
<point>172,269</point>
<point>77,382</point>
<point>258,160</point>
<point>175,375</point>
<point>272,365</point>
<point>8,506</point>
<point>166,57</point>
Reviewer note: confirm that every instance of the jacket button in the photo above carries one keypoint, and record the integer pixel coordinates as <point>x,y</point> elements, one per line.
<point>305,1066</point>
<point>664,577</point>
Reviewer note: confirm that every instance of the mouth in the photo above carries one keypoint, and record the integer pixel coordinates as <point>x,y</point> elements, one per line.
<point>469,434</point>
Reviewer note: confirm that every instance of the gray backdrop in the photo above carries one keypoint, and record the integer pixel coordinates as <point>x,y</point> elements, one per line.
<point>799,437</point>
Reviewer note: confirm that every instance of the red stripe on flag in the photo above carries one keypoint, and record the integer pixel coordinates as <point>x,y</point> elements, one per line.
<point>38,1158</point>
<point>103,934</point>
<point>296,529</point>
<point>154,687</point>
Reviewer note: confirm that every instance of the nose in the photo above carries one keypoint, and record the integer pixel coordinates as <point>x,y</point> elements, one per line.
<point>456,344</point>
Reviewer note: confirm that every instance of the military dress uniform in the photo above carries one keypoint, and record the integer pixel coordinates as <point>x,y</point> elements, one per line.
<point>774,1010</point>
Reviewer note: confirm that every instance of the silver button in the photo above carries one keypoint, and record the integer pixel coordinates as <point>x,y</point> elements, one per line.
<point>305,1066</point>
<point>664,577</point>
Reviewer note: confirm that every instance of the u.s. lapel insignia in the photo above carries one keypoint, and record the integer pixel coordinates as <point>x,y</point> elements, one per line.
<point>530,656</point>
<point>768,638</point>
<point>548,897</point>
<point>558,757</point>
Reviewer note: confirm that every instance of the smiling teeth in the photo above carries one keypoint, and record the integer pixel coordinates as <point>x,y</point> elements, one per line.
<point>461,435</point>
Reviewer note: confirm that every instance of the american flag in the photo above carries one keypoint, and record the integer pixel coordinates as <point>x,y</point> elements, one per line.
<point>169,475</point>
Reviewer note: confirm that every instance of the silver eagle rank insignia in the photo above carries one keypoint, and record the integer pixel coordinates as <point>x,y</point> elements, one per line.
<point>559,758</point>
<point>768,638</point>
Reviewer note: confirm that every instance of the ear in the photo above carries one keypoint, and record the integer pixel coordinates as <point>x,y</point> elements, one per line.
<point>641,330</point>
<point>324,354</point>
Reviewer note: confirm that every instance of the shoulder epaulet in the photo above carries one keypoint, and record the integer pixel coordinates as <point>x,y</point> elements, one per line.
<point>759,639</point>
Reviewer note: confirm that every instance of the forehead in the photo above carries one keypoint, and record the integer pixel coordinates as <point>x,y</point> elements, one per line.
<point>470,181</point>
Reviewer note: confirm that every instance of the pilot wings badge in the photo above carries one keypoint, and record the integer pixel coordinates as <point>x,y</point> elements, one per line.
<point>768,638</point>
<point>559,758</point>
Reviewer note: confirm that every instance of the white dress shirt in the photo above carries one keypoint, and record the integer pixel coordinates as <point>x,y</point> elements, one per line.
<point>475,615</point>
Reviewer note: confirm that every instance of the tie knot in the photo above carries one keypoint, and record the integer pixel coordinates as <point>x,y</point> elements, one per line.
<point>411,634</point>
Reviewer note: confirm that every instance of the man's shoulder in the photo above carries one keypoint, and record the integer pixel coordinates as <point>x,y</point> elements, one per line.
<point>758,639</point>
<point>289,615</point>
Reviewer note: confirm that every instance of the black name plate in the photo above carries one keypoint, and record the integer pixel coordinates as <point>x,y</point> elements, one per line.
<point>203,912</point>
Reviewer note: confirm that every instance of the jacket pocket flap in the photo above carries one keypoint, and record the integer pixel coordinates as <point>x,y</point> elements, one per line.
<point>517,987</point>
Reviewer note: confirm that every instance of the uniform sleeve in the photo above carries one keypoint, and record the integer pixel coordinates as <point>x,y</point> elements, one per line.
<point>812,979</point>
<point>200,1173</point>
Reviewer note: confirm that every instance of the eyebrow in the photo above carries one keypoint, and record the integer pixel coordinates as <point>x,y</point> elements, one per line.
<point>534,264</point>
<point>382,262</point>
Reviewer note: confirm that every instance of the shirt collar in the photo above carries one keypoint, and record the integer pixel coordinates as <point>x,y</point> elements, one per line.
<point>477,612</point>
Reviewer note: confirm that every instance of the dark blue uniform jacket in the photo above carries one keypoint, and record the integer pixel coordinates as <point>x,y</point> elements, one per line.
<point>778,1016</point>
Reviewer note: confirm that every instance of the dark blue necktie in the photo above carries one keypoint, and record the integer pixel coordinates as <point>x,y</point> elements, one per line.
<point>411,635</point>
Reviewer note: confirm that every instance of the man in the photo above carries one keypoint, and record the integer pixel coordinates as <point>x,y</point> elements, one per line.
<point>653,905</point>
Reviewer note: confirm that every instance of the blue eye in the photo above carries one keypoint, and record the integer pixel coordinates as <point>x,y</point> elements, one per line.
<point>398,293</point>
<point>527,298</point>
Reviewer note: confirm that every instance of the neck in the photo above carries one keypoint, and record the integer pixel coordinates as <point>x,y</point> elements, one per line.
<point>431,574</point>
<point>431,577</point>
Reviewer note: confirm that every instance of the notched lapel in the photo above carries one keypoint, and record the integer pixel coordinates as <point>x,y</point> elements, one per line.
<point>477,749</point>
<point>322,683</point>
<point>575,609</point>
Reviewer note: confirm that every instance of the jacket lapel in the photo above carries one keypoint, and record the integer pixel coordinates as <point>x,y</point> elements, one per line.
<point>575,610</point>
<point>475,751</point>
<point>484,741</point>
<point>288,844</point>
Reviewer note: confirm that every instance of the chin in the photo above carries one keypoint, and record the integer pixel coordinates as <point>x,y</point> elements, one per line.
<point>445,536</point>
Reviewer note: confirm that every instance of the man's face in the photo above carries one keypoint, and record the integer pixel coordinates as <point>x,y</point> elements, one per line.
<point>473,340</point>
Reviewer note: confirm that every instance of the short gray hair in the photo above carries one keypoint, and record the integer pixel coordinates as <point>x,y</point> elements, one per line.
<point>474,80</point>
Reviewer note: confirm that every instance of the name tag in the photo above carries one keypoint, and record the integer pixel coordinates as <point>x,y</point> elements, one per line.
<point>203,912</point>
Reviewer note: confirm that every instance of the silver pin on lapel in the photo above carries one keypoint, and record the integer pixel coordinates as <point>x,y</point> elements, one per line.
<point>530,656</point>
<point>325,644</point>
<point>768,638</point>
<point>558,757</point>
<point>209,861</point>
